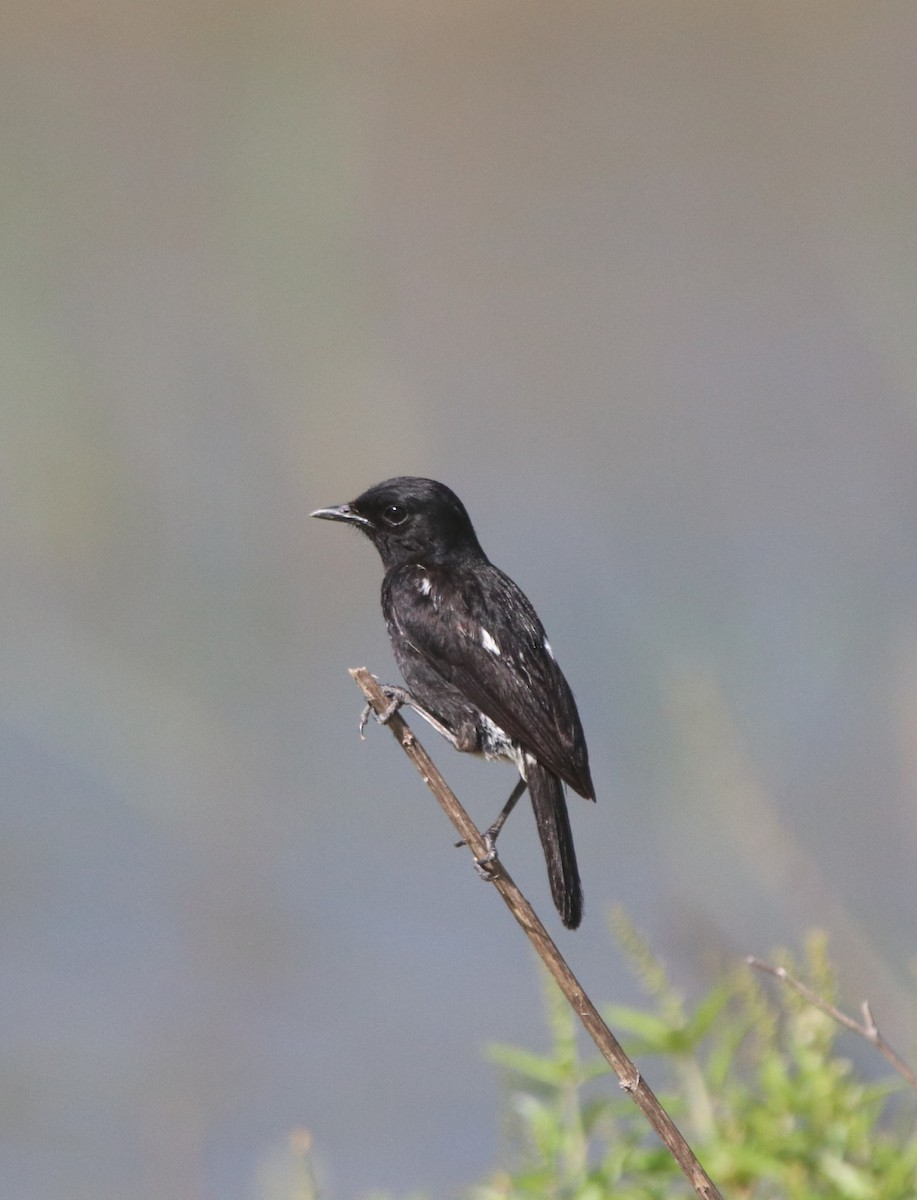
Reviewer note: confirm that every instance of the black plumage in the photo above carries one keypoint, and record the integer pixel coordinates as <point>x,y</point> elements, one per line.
<point>475,657</point>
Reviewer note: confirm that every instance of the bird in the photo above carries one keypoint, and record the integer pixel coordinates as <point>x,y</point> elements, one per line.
<point>476,660</point>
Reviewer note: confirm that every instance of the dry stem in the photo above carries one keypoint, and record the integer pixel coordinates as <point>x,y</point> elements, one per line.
<point>631,1080</point>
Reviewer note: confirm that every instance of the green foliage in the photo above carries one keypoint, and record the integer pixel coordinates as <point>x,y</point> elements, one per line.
<point>751,1076</point>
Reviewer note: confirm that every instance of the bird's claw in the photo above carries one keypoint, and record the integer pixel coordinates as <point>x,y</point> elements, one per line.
<point>364,718</point>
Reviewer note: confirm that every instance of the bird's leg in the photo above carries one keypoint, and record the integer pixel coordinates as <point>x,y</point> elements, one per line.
<point>483,866</point>
<point>494,830</point>
<point>398,696</point>
<point>490,836</point>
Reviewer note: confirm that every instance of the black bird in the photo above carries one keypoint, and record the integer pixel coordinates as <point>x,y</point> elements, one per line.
<point>476,659</point>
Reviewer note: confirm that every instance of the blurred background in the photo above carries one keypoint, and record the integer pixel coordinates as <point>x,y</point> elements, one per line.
<point>639,282</point>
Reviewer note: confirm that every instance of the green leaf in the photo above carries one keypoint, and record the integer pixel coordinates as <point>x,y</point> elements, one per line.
<point>653,1030</point>
<point>533,1067</point>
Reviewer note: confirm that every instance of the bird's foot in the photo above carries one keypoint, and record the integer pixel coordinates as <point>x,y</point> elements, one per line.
<point>485,864</point>
<point>397,696</point>
<point>490,839</point>
<point>400,697</point>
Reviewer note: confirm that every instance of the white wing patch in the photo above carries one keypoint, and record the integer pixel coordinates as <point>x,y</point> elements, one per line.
<point>488,642</point>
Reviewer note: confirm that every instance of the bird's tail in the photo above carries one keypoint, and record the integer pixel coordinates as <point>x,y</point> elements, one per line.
<point>547,792</point>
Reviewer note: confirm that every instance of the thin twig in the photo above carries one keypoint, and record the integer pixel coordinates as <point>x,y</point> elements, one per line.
<point>632,1081</point>
<point>868,1030</point>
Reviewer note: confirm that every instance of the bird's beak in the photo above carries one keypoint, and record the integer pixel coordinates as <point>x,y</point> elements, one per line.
<point>342,512</point>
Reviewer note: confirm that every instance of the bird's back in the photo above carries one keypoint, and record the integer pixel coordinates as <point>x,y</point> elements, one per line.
<point>468,626</point>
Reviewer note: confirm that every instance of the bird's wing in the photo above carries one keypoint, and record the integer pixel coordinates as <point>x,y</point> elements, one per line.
<point>479,631</point>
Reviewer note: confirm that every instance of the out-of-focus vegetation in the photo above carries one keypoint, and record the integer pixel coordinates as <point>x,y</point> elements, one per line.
<point>753,1075</point>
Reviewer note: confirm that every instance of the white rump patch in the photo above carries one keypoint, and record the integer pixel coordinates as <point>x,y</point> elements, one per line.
<point>488,642</point>
<point>547,646</point>
<point>425,585</point>
<point>495,744</point>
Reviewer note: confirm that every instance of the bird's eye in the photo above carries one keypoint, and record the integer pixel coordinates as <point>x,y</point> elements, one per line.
<point>394,515</point>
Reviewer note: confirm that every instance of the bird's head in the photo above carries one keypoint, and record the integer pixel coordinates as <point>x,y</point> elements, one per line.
<point>409,519</point>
